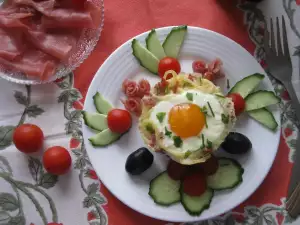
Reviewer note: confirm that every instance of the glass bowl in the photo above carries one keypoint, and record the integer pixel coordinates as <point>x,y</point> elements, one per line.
<point>85,45</point>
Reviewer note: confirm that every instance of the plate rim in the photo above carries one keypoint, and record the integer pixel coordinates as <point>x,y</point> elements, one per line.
<point>200,29</point>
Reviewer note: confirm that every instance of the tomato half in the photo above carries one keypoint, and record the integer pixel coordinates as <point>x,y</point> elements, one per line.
<point>28,138</point>
<point>210,166</point>
<point>119,120</point>
<point>194,184</point>
<point>57,160</point>
<point>168,63</point>
<point>239,103</point>
<point>175,170</point>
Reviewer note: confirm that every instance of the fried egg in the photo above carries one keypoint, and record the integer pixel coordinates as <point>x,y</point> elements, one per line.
<point>190,123</point>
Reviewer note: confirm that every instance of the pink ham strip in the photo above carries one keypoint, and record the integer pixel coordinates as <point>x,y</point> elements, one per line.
<point>10,45</point>
<point>33,62</point>
<point>90,18</point>
<point>14,20</point>
<point>58,45</point>
<point>67,18</point>
<point>44,7</point>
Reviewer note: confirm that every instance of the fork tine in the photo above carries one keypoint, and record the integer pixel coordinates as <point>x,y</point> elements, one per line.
<point>273,44</point>
<point>279,47</point>
<point>266,39</point>
<point>284,38</point>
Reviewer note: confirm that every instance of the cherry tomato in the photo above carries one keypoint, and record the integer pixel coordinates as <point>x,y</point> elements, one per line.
<point>199,66</point>
<point>239,103</point>
<point>168,63</point>
<point>28,138</point>
<point>57,160</point>
<point>175,170</point>
<point>210,166</point>
<point>194,184</point>
<point>119,120</point>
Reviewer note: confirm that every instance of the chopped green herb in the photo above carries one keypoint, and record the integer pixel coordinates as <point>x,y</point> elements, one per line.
<point>224,164</point>
<point>189,96</point>
<point>203,145</point>
<point>228,85</point>
<point>209,144</point>
<point>187,84</point>
<point>167,132</point>
<point>160,116</point>
<point>212,112</point>
<point>225,118</point>
<point>149,128</point>
<point>205,121</point>
<point>204,109</point>
<point>167,90</point>
<point>187,154</point>
<point>219,95</point>
<point>200,80</point>
<point>177,141</point>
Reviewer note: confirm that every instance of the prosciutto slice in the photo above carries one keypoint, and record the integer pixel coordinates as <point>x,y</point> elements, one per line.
<point>39,35</point>
<point>89,18</point>
<point>10,44</point>
<point>33,62</point>
<point>15,20</point>
<point>58,45</point>
<point>44,7</point>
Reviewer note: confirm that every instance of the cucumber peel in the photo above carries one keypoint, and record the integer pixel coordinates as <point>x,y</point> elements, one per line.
<point>228,175</point>
<point>265,117</point>
<point>195,205</point>
<point>95,121</point>
<point>101,104</point>
<point>104,138</point>
<point>164,190</point>
<point>154,45</point>
<point>260,99</point>
<point>245,86</point>
<point>144,56</point>
<point>174,40</point>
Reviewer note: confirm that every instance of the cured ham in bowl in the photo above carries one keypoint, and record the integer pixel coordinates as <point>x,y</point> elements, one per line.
<point>42,41</point>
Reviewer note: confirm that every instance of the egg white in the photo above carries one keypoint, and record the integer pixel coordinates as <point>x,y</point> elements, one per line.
<point>215,126</point>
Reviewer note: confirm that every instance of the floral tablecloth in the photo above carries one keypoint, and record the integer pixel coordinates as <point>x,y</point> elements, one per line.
<point>31,196</point>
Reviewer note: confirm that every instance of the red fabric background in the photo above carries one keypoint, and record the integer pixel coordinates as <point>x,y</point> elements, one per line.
<point>124,20</point>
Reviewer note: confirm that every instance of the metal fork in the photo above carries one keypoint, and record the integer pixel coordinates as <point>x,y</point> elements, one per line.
<point>280,66</point>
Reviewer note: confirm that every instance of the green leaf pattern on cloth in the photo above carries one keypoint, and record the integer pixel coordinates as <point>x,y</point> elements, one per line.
<point>256,23</point>
<point>6,132</point>
<point>8,202</point>
<point>42,178</point>
<point>94,199</point>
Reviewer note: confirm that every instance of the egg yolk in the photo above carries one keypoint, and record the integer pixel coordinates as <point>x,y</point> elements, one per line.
<point>186,120</point>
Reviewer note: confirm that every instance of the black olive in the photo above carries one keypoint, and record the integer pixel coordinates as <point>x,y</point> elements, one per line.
<point>236,143</point>
<point>139,161</point>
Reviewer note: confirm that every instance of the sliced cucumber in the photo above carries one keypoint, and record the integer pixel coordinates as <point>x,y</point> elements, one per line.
<point>164,190</point>
<point>261,99</point>
<point>104,138</point>
<point>101,104</point>
<point>174,40</point>
<point>95,121</point>
<point>196,205</point>
<point>228,175</point>
<point>265,117</point>
<point>144,56</point>
<point>154,45</point>
<point>245,86</point>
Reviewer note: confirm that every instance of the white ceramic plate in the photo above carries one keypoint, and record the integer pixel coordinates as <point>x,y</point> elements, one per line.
<point>109,162</point>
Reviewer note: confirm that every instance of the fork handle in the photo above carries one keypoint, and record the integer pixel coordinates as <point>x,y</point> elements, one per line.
<point>294,99</point>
